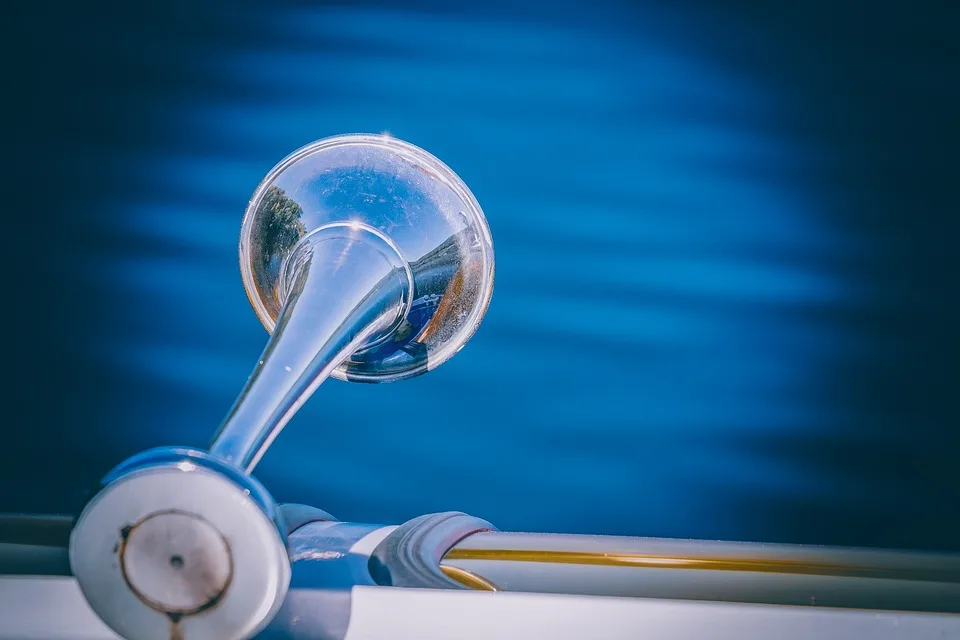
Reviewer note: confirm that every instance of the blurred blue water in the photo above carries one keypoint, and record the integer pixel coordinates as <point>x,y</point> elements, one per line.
<point>677,332</point>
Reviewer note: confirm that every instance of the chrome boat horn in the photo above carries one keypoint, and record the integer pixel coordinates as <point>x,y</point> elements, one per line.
<point>369,260</point>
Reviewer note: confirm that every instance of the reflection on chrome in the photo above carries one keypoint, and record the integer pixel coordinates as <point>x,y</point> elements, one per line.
<point>369,260</point>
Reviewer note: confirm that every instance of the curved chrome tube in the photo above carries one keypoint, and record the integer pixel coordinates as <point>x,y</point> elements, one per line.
<point>345,288</point>
<point>369,260</point>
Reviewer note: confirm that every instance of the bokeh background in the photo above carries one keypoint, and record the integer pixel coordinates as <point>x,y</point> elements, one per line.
<point>726,297</point>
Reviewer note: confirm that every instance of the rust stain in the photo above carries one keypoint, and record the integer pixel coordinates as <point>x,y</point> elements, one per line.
<point>175,616</point>
<point>176,629</point>
<point>450,297</point>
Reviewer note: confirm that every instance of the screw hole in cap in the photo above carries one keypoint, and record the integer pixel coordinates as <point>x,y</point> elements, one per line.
<point>176,562</point>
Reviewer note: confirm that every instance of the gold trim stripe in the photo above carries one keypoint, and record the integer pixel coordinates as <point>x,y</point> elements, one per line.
<point>795,567</point>
<point>468,578</point>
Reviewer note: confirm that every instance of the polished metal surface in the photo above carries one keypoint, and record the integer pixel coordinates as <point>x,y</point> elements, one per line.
<point>410,556</point>
<point>180,543</point>
<point>186,459</point>
<point>369,260</point>
<point>345,287</point>
<point>410,197</point>
<point>772,574</point>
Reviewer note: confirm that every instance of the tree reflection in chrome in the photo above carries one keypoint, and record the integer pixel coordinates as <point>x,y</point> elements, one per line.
<point>278,228</point>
